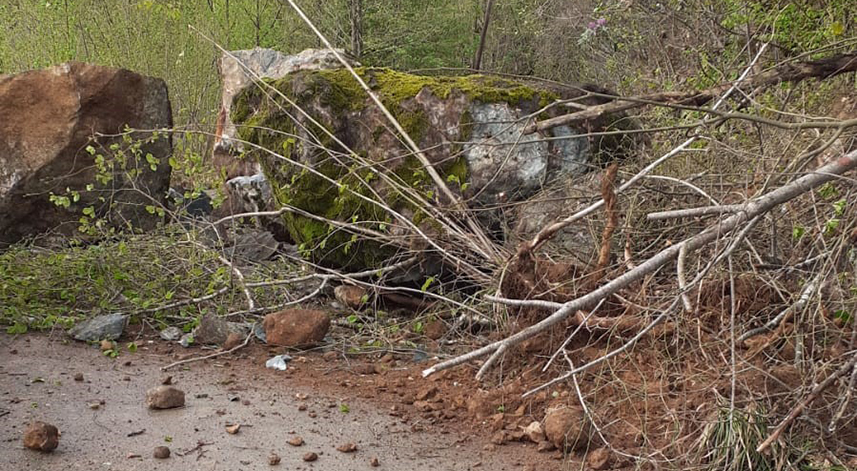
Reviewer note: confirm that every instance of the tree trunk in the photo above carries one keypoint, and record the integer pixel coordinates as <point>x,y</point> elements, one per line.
<point>356,28</point>
<point>477,63</point>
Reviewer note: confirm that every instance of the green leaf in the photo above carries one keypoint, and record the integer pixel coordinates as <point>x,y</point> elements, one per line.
<point>427,283</point>
<point>132,347</point>
<point>17,329</point>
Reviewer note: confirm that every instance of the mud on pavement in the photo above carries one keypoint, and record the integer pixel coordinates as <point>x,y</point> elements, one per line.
<point>105,424</point>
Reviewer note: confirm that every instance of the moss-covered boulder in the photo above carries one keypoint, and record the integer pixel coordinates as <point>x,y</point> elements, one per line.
<point>328,150</point>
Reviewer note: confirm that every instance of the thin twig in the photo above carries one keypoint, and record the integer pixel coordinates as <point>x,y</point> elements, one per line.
<point>206,357</point>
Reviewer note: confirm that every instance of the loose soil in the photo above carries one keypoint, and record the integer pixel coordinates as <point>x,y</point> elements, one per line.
<point>384,408</point>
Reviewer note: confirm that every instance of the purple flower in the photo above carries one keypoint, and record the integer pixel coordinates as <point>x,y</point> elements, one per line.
<point>592,25</point>
<point>602,21</point>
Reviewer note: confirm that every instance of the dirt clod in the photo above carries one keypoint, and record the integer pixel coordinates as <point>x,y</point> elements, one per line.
<point>295,441</point>
<point>273,459</point>
<point>534,432</point>
<point>78,377</point>
<point>567,428</point>
<point>161,452</point>
<point>599,459</point>
<point>41,436</point>
<point>374,462</point>
<point>347,447</point>
<point>310,457</point>
<point>164,397</point>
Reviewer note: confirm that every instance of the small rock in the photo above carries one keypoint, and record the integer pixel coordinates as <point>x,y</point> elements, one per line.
<point>164,397</point>
<point>167,381</point>
<point>94,406</point>
<point>374,462</point>
<point>41,436</point>
<point>330,356</point>
<point>347,447</point>
<point>132,455</point>
<point>599,459</point>
<point>273,459</point>
<point>352,297</point>
<point>233,340</point>
<point>161,452</point>
<point>567,428</point>
<point>296,327</point>
<point>534,432</point>
<point>171,333</point>
<point>233,429</point>
<point>108,327</point>
<point>310,457</point>
<point>107,345</point>
<point>214,330</point>
<point>498,438</point>
<point>435,329</point>
<point>78,377</point>
<point>302,407</point>
<point>186,340</point>
<point>296,441</point>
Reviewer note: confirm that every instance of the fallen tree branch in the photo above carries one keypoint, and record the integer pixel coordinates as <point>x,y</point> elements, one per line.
<point>547,233</point>
<point>792,72</point>
<point>796,410</point>
<point>694,212</point>
<point>754,209</point>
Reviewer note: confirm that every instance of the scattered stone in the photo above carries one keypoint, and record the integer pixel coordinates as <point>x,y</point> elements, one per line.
<point>330,356</point>
<point>171,333</point>
<point>435,329</point>
<point>233,340</point>
<point>41,436</point>
<point>374,462</point>
<point>534,432</point>
<point>186,340</point>
<point>161,452</point>
<point>295,441</point>
<point>131,455</point>
<point>78,377</point>
<point>296,327</point>
<point>310,457</point>
<point>233,429</point>
<point>94,406</point>
<point>214,330</point>
<point>107,327</point>
<point>107,345</point>
<point>353,297</point>
<point>164,397</point>
<point>347,447</point>
<point>167,381</point>
<point>567,428</point>
<point>499,437</point>
<point>599,459</point>
<point>302,407</point>
<point>273,459</point>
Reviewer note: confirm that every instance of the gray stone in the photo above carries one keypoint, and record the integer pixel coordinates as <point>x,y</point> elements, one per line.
<point>109,327</point>
<point>213,330</point>
<point>170,333</point>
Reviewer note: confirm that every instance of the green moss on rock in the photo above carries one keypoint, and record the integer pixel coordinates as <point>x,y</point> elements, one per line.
<point>337,103</point>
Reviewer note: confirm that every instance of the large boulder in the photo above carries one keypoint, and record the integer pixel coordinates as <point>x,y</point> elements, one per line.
<point>48,120</point>
<point>472,130</point>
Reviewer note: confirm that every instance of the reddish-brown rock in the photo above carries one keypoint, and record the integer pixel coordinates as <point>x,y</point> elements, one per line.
<point>47,120</point>
<point>296,327</point>
<point>41,436</point>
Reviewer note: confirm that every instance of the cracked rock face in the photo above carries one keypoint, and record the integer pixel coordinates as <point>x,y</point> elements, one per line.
<point>47,122</point>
